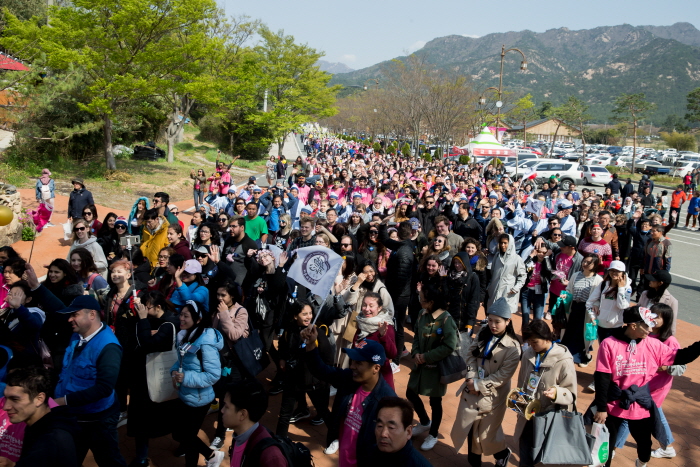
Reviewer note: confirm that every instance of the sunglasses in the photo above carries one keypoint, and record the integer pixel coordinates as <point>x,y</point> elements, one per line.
<point>223,220</point>
<point>120,227</point>
<point>78,229</point>
<point>556,235</point>
<point>374,232</point>
<point>240,204</point>
<point>175,212</point>
<point>200,255</point>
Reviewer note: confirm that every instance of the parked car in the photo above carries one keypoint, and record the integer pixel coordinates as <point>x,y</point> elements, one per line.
<point>593,174</point>
<point>569,172</point>
<point>603,160</point>
<point>683,168</point>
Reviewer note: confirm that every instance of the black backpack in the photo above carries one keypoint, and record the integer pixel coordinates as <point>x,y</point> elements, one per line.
<point>296,454</point>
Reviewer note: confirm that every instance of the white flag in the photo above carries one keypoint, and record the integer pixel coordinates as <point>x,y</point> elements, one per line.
<point>316,268</point>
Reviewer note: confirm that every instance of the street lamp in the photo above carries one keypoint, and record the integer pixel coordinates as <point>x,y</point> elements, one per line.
<point>499,89</point>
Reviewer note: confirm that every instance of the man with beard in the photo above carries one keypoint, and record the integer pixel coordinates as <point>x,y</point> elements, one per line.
<point>656,291</point>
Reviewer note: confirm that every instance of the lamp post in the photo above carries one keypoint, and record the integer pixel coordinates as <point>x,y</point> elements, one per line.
<point>499,89</point>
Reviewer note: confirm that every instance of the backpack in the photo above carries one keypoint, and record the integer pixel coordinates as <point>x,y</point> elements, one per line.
<point>45,192</point>
<point>296,454</point>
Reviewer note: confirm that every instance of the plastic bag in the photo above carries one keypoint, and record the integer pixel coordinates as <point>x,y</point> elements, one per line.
<point>591,331</point>
<point>67,230</point>
<point>601,446</point>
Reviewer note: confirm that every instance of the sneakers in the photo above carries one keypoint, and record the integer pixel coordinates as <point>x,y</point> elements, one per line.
<point>429,443</point>
<point>591,387</point>
<point>583,364</point>
<point>49,225</point>
<point>301,415</point>
<point>213,408</point>
<point>662,453</point>
<point>216,459</point>
<point>504,462</point>
<point>317,420</point>
<point>395,368</point>
<point>332,448</point>
<point>405,353</point>
<point>420,428</point>
<point>122,419</point>
<point>333,392</point>
<point>639,463</point>
<point>216,444</point>
<point>548,316</point>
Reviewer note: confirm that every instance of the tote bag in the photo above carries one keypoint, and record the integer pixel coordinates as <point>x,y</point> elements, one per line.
<point>251,351</point>
<point>562,438</point>
<point>454,366</point>
<point>158,364</point>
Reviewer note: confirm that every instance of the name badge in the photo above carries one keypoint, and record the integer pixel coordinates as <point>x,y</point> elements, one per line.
<point>482,373</point>
<point>532,382</point>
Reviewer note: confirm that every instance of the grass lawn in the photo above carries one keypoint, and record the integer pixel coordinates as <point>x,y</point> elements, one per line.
<point>133,178</point>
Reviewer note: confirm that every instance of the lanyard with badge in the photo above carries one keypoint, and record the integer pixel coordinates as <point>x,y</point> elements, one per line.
<point>488,351</point>
<point>534,380</point>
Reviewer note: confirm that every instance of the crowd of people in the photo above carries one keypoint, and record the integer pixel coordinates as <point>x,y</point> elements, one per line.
<point>154,324</point>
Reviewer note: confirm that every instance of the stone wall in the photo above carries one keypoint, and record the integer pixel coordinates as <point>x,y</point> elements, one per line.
<point>12,232</point>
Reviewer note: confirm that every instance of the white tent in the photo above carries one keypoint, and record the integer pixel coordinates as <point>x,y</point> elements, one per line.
<point>485,144</point>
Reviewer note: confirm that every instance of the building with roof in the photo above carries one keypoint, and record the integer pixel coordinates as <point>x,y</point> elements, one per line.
<point>543,130</point>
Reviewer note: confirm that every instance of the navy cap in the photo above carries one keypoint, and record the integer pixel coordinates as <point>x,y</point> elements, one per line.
<point>81,302</point>
<point>367,351</point>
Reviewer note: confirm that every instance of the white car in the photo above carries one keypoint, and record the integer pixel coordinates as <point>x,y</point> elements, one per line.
<point>542,169</point>
<point>603,160</point>
<point>593,174</point>
<point>683,168</point>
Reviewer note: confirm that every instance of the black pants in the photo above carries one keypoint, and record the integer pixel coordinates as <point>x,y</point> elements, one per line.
<point>678,217</point>
<point>634,267</point>
<point>400,307</point>
<point>435,408</point>
<point>190,420</point>
<point>640,431</point>
<point>475,459</point>
<point>101,438</point>
<point>292,397</point>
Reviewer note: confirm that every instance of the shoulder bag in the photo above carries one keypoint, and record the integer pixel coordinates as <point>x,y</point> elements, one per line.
<point>453,367</point>
<point>158,364</point>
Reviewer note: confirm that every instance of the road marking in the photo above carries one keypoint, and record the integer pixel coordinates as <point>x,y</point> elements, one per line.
<point>686,278</point>
<point>687,243</point>
<point>685,236</point>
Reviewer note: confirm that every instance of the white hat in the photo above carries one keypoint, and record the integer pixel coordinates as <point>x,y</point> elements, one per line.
<point>617,266</point>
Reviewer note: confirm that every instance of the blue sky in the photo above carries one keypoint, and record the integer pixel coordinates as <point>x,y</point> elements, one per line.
<point>361,33</point>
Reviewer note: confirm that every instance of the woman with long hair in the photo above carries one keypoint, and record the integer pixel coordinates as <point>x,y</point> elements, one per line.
<point>167,283</point>
<point>596,244</point>
<point>62,281</point>
<point>198,218</point>
<point>163,261</point>
<point>435,339</point>
<point>478,263</point>
<point>656,291</point>
<point>178,241</point>
<point>548,374</point>
<point>195,374</point>
<point>462,292</point>
<point>82,238</point>
<point>355,222</point>
<point>609,300</point>
<point>439,247</point>
<point>376,323</point>
<point>135,221</point>
<point>206,235</point>
<point>493,230</point>
<point>492,360</point>
<point>281,237</point>
<point>84,266</point>
<point>371,248</point>
<point>108,238</point>
<point>156,330</point>
<point>90,215</point>
<point>198,187</point>
<point>580,287</point>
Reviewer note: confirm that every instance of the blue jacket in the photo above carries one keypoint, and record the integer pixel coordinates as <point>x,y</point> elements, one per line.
<point>193,291</point>
<point>80,373</point>
<point>52,186</point>
<point>197,388</point>
<point>342,379</point>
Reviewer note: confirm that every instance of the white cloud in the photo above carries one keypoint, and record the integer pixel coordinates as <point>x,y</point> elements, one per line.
<point>473,36</point>
<point>348,58</point>
<point>416,46</point>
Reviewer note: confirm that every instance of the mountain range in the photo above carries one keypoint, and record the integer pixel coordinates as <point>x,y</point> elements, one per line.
<point>333,67</point>
<point>596,65</point>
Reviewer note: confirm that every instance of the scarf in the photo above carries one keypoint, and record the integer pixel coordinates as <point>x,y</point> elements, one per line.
<point>367,326</point>
<point>454,275</point>
<point>626,208</point>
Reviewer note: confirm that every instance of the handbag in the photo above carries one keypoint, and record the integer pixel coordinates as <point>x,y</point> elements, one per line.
<point>453,367</point>
<point>559,437</point>
<point>251,351</point>
<point>601,446</point>
<point>158,364</point>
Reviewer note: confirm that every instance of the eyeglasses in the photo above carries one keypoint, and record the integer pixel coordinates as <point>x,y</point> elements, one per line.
<point>87,213</point>
<point>156,201</point>
<point>78,229</point>
<point>120,227</point>
<point>556,235</point>
<point>202,232</point>
<point>163,256</point>
<point>283,222</point>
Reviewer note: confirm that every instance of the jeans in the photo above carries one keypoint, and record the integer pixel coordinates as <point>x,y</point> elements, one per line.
<point>198,196</point>
<point>641,432</point>
<point>624,432</point>
<point>419,407</point>
<point>101,438</point>
<point>529,299</point>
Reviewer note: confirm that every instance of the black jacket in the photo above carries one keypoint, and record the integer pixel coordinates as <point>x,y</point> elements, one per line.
<point>465,228</point>
<point>427,218</point>
<point>400,266</point>
<point>49,441</point>
<point>77,202</point>
<point>406,457</point>
<point>343,381</point>
<point>615,186</point>
<point>463,295</point>
<point>639,241</point>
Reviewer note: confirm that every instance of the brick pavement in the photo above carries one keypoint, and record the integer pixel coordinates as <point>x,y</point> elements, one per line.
<point>682,406</point>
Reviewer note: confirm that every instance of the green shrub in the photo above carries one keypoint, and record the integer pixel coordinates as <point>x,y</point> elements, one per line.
<point>406,149</point>
<point>464,159</point>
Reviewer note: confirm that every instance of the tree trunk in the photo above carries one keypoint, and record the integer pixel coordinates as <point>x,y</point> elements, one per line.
<point>230,143</point>
<point>280,144</point>
<point>583,142</point>
<point>107,133</point>
<point>634,145</point>
<point>171,133</point>
<point>554,138</point>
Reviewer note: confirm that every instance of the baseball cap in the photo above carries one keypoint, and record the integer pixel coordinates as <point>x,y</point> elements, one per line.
<point>493,196</point>
<point>568,240</point>
<point>201,249</point>
<point>252,179</point>
<point>636,314</point>
<point>367,351</point>
<point>617,266</point>
<point>81,302</point>
<point>257,189</point>
<point>333,196</point>
<point>415,223</point>
<point>566,204</point>
<point>192,266</point>
<point>357,195</point>
<point>660,276</point>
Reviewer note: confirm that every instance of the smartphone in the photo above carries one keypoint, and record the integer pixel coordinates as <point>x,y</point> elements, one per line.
<point>132,240</point>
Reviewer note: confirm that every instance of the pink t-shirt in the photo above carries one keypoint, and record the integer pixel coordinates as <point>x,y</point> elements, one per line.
<point>536,278</point>
<point>629,368</point>
<point>661,383</point>
<point>237,454</point>
<point>350,430</point>
<point>12,434</point>
<point>564,263</point>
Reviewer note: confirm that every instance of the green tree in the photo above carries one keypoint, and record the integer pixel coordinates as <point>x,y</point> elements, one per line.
<point>406,149</point>
<point>674,123</point>
<point>574,112</point>
<point>679,141</point>
<point>544,109</point>
<point>693,106</point>
<point>377,147</point>
<point>630,108</point>
<point>129,50</point>
<point>297,90</point>
<point>523,112</point>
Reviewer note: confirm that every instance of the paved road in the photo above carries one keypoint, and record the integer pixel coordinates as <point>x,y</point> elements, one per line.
<point>685,269</point>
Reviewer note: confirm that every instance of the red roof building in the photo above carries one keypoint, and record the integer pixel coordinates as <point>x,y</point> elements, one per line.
<point>10,64</point>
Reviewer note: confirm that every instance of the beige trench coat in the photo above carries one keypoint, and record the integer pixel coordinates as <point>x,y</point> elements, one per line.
<point>558,371</point>
<point>484,412</point>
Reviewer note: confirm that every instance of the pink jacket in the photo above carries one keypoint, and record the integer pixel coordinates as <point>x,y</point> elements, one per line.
<point>233,324</point>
